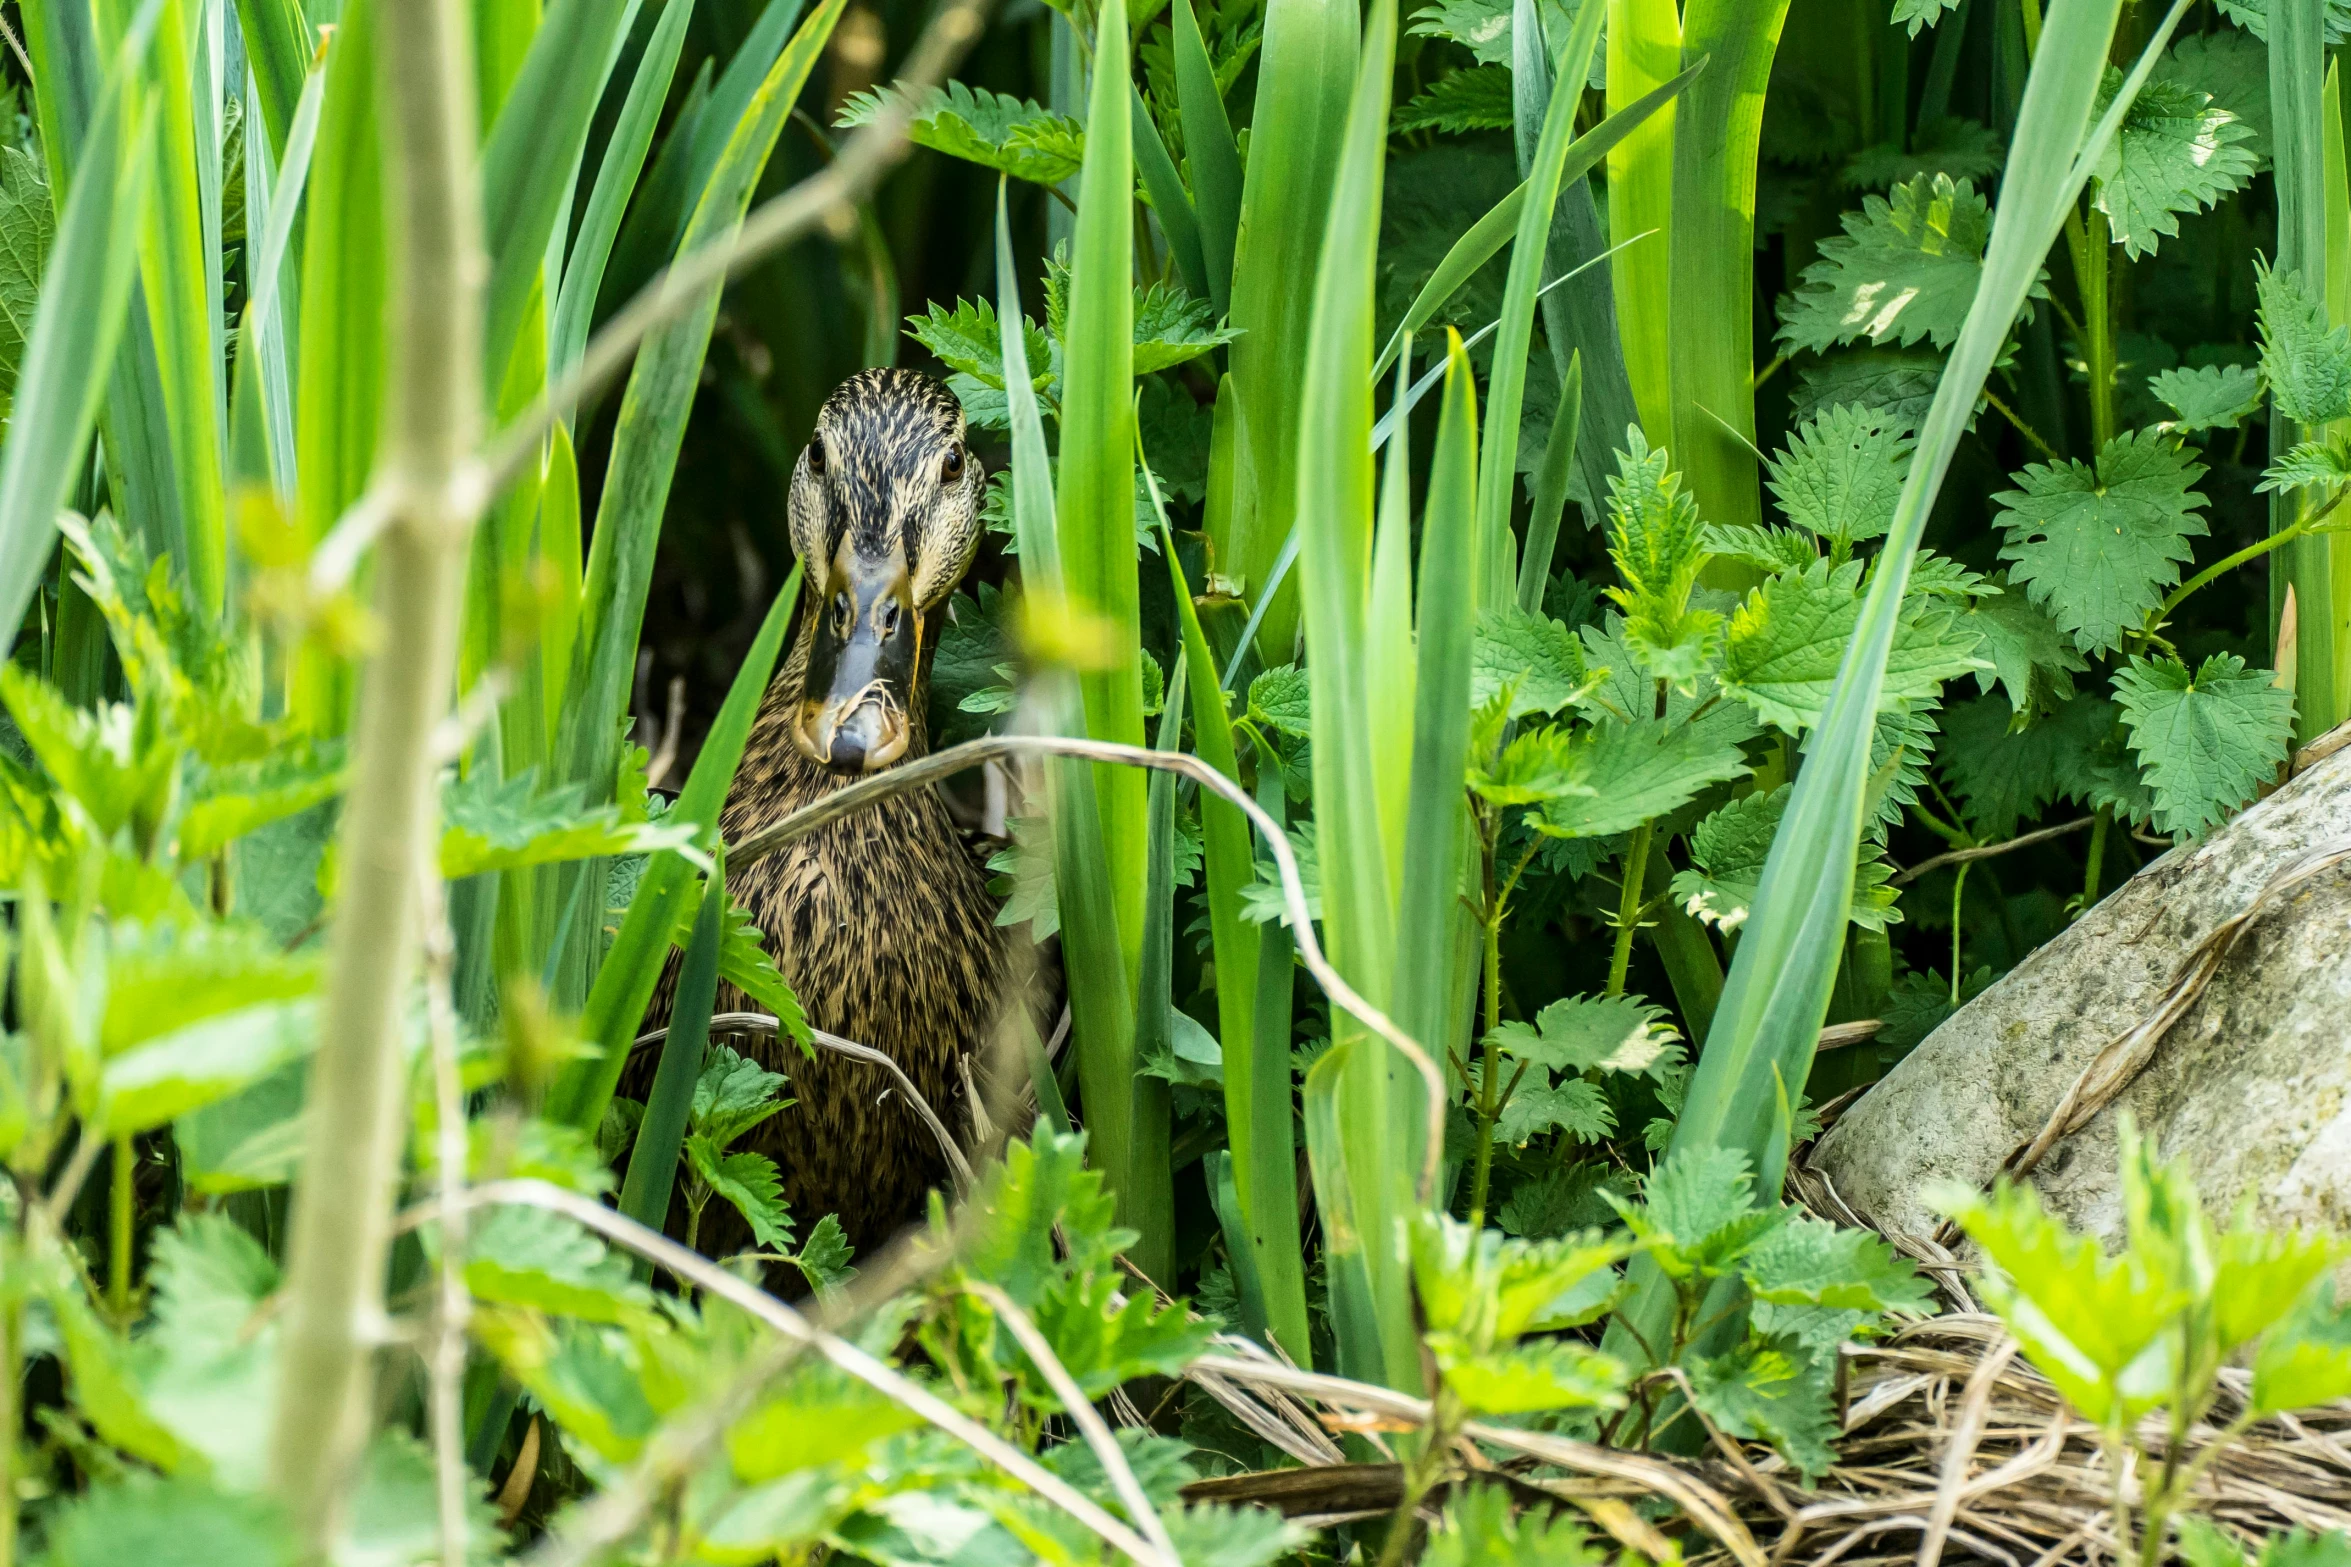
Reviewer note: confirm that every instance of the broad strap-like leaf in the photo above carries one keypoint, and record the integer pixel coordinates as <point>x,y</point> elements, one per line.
<point>2207,738</point>
<point>2098,547</point>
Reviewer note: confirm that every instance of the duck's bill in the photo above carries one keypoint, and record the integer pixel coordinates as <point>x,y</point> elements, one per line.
<point>861,671</point>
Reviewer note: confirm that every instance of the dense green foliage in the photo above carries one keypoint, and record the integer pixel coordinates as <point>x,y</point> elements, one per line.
<point>1601,491</point>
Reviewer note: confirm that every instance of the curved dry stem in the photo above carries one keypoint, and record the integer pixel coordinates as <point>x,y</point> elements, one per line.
<point>924,770</point>
<point>763,1023</point>
<point>1082,1412</point>
<point>712,1279</point>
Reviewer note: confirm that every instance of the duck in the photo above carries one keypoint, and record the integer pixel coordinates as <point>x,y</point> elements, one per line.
<point>882,922</point>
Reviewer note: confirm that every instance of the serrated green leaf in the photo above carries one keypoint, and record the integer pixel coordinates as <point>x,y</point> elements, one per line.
<point>2208,397</point>
<point>1658,543</point>
<point>2234,69</point>
<point>1842,472</point>
<point>142,1521</point>
<point>1483,1528</point>
<point>2307,1361</point>
<point>161,978</point>
<point>2324,466</point>
<point>1542,657</point>
<point>1959,148</point>
<point>1697,1212</point>
<point>994,130</point>
<point>1527,1378</point>
<point>1210,1536</point>
<point>2176,151</point>
<point>1727,851</point>
<point>1787,642</point>
<point>1594,1034</point>
<point>1919,15</point>
<point>824,1258</point>
<point>969,340</point>
<point>1483,27</point>
<point>1771,1391</point>
<point>1906,268</point>
<point>514,824</point>
<point>2253,16</point>
<point>1478,99</point>
<point>1809,1262</point>
<point>2306,362</point>
<point>1026,884</point>
<point>28,225</point>
<point>2206,740</point>
<point>174,1073</point>
<point>750,1184</point>
<point>743,962</point>
<point>530,1257</point>
<point>2098,547</point>
<point>1574,1108</point>
<point>733,1095</point>
<point>1282,697</point>
<point>1172,327</point>
<point>1637,772</point>
<point>1774,549</point>
<point>1898,382</point>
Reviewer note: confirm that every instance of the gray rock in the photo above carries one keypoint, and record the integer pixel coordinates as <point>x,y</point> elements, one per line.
<point>2252,1086</point>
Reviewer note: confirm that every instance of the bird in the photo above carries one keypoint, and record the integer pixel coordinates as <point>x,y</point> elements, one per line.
<point>882,922</point>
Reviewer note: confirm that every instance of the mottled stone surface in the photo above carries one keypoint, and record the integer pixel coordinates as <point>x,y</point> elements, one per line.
<point>2252,1087</point>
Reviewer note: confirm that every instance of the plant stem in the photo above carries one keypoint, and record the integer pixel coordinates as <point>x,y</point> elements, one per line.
<point>432,416</point>
<point>11,1421</point>
<point>2097,854</point>
<point>1482,1169</point>
<point>2253,551</point>
<point>2088,239</point>
<point>118,1256</point>
<point>1420,1473</point>
<point>1958,891</point>
<point>1628,905</point>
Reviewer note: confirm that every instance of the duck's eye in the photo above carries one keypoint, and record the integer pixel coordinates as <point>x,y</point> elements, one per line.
<point>951,466</point>
<point>844,613</point>
<point>816,455</point>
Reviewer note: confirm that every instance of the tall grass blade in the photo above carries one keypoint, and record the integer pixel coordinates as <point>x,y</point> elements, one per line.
<point>1358,1123</point>
<point>84,301</point>
<point>624,985</point>
<point>1498,477</point>
<point>1212,152</point>
<point>651,428</point>
<point>616,180</point>
<point>1171,204</point>
<point>1717,129</point>
<point>1759,1050</point>
<point>2298,97</point>
<point>1549,500</point>
<point>277,51</point>
<point>532,155</point>
<point>273,198</point>
<point>653,1162</point>
<point>1101,874</point>
<point>1305,74</point>
<point>1644,48</point>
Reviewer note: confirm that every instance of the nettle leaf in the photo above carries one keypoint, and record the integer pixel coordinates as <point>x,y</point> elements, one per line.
<point>733,1095</point>
<point>1483,26</point>
<point>2253,16</point>
<point>1210,1536</point>
<point>1939,576</point>
<point>994,130</point>
<point>142,1521</point>
<point>1697,1212</point>
<point>2234,69</point>
<point>1171,328</point>
<point>1920,15</point>
<point>515,824</point>
<point>2310,465</point>
<point>1594,1034</point>
<point>2098,547</point>
<point>1483,1528</point>
<point>1537,765</point>
<point>28,225</point>
<point>1041,1185</point>
<point>1727,853</point>
<point>172,1074</point>
<point>2208,739</point>
<point>2030,658</point>
<point>743,963</point>
<point>1899,744</point>
<point>1961,148</point>
<point>1639,771</point>
<point>2176,151</point>
<point>1774,549</point>
<point>1283,698</point>
<point>1574,1108</point>
<point>1810,1262</point>
<point>2004,774</point>
<point>1263,899</point>
<point>1528,1378</point>
<point>163,977</point>
<point>1898,382</point>
<point>969,340</point>
<point>2306,1361</point>
<point>1658,543</point>
<point>2208,397</point>
<point>751,1185</point>
<point>824,1257</point>
<point>1906,268</point>
<point>1788,640</point>
<point>530,1257</point>
<point>1477,99</point>
<point>1026,884</point>
<point>1542,657</point>
<point>1771,1390</point>
<point>2306,362</point>
<point>1842,473</point>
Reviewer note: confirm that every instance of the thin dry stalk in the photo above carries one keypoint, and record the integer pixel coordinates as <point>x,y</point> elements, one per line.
<point>445,1360</point>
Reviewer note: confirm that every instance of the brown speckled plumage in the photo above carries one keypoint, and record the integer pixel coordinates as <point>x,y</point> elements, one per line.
<point>882,922</point>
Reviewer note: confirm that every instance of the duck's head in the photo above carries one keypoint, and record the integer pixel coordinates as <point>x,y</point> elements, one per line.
<point>885,513</point>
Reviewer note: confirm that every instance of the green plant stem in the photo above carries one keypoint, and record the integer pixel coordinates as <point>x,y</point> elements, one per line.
<point>341,1227</point>
<point>118,1254</point>
<point>1958,891</point>
<point>11,1420</point>
<point>1421,1473</point>
<point>2097,854</point>
<point>2253,551</point>
<point>2088,241</point>
<point>1628,905</point>
<point>2030,434</point>
<point>1482,1168</point>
